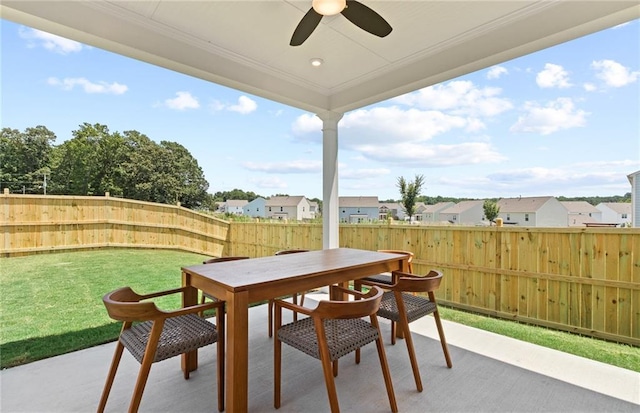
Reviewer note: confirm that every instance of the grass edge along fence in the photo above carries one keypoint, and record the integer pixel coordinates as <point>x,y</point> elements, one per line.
<point>581,280</point>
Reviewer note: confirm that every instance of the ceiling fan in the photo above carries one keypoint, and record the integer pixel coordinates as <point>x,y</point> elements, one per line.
<point>356,12</point>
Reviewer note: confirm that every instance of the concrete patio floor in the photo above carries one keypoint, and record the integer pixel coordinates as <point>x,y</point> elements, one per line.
<point>490,373</point>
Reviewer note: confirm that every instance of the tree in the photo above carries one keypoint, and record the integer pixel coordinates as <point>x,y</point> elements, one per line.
<point>491,210</point>
<point>24,158</point>
<point>409,192</point>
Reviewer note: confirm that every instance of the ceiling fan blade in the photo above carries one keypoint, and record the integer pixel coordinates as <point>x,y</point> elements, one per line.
<point>366,19</point>
<point>306,26</point>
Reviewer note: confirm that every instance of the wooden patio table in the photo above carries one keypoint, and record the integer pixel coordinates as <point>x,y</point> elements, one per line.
<point>242,282</point>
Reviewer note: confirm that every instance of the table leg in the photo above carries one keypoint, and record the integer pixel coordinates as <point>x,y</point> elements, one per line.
<point>237,380</point>
<point>190,297</point>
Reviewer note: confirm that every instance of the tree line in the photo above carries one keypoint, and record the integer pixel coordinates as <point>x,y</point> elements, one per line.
<point>131,165</point>
<point>95,161</point>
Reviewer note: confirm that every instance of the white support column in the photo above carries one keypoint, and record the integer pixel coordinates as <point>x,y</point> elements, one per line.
<point>330,216</point>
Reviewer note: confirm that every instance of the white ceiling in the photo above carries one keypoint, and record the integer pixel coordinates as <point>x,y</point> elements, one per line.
<point>245,44</point>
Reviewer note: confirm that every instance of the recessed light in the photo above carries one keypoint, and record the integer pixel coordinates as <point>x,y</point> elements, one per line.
<point>316,61</point>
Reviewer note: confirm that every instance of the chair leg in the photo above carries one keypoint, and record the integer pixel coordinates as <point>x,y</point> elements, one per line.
<point>117,355</point>
<point>385,370</point>
<point>443,341</point>
<point>202,300</point>
<point>294,299</point>
<point>145,366</point>
<point>404,325</point>
<point>327,368</point>
<point>270,305</point>
<point>394,329</point>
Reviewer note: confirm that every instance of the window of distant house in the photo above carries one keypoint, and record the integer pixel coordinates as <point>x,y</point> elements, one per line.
<point>343,211</point>
<point>269,209</point>
<point>455,217</point>
<point>526,217</point>
<point>508,217</point>
<point>281,209</point>
<point>358,210</point>
<point>624,216</point>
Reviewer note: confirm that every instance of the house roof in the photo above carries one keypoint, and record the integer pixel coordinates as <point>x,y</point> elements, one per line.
<point>523,204</point>
<point>426,209</point>
<point>461,207</point>
<point>284,201</point>
<point>244,45</point>
<point>579,207</point>
<point>390,205</point>
<point>236,202</point>
<point>617,207</point>
<point>358,201</point>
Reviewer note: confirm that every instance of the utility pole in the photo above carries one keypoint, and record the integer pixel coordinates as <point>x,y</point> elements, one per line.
<point>44,183</point>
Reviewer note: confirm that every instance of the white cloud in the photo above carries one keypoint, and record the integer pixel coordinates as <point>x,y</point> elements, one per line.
<point>363,173</point>
<point>556,115</point>
<point>269,182</point>
<point>458,97</point>
<point>399,134</point>
<point>589,87</point>
<point>553,76</point>
<point>288,167</point>
<point>244,106</point>
<point>88,86</point>
<point>562,179</point>
<point>49,41</point>
<point>613,73</point>
<point>420,155</point>
<point>182,101</point>
<point>496,71</point>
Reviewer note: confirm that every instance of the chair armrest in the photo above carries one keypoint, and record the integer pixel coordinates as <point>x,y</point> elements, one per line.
<point>370,283</point>
<point>194,309</point>
<point>293,307</point>
<point>338,288</point>
<point>162,293</point>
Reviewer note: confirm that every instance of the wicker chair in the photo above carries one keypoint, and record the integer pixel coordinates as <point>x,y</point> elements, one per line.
<point>158,335</point>
<point>399,306</point>
<point>294,296</point>
<point>204,297</point>
<point>332,330</point>
<point>385,278</point>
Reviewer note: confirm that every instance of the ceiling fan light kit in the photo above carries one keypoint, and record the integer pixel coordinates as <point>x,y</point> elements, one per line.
<point>356,12</point>
<point>328,7</point>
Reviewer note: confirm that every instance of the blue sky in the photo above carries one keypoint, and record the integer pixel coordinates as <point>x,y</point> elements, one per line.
<point>562,122</point>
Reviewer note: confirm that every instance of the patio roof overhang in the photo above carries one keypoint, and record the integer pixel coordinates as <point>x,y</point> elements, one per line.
<point>245,45</point>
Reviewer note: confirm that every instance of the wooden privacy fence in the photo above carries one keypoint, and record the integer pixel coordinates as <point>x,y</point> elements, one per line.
<point>583,280</point>
<point>36,223</point>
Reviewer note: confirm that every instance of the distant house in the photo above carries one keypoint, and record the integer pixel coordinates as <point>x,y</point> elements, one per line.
<point>234,206</point>
<point>315,212</point>
<point>295,208</point>
<point>463,213</point>
<point>634,179</point>
<point>615,212</point>
<point>390,209</point>
<point>355,209</point>
<point>581,213</point>
<point>255,208</point>
<point>542,211</point>
<point>431,213</point>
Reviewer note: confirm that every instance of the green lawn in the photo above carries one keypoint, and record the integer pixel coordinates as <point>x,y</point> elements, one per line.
<point>51,304</point>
